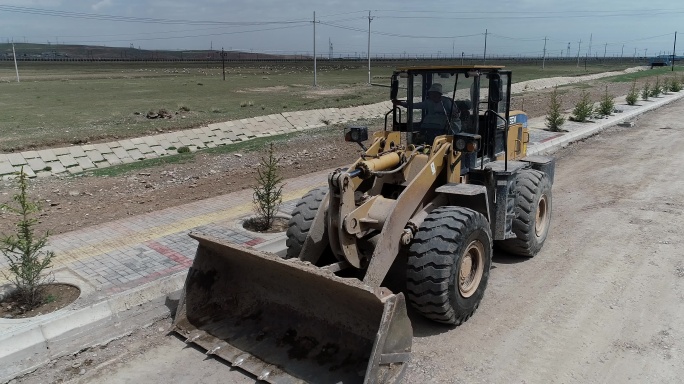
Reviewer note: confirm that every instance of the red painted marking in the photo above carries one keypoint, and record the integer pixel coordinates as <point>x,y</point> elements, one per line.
<point>170,253</point>
<point>146,279</point>
<point>550,138</point>
<point>254,242</point>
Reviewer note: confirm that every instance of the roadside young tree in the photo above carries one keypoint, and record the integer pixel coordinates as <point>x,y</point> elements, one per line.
<point>655,91</point>
<point>633,95</point>
<point>583,108</point>
<point>24,250</point>
<point>268,192</point>
<point>675,84</point>
<point>646,91</point>
<point>607,105</point>
<point>554,116</point>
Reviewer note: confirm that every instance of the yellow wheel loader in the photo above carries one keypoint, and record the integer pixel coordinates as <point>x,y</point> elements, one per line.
<point>415,217</point>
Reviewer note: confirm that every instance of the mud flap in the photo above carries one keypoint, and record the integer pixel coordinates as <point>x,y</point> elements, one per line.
<point>287,321</point>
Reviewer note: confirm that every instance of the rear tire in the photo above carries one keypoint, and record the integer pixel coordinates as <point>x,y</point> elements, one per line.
<point>302,218</point>
<point>532,214</point>
<point>448,264</point>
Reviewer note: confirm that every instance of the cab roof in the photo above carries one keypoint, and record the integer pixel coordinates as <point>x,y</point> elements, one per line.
<point>450,68</point>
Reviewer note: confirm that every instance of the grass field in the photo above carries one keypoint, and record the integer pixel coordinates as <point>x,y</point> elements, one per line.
<point>60,103</point>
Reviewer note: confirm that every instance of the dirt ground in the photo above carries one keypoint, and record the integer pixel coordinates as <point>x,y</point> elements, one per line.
<point>602,302</point>
<point>75,202</point>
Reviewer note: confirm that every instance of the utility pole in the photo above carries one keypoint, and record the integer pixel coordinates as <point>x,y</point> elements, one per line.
<point>369,52</point>
<point>605,49</point>
<point>645,50</point>
<point>223,63</point>
<point>579,46</point>
<point>462,54</point>
<point>14,53</point>
<point>623,51</point>
<point>674,49</point>
<point>591,38</point>
<point>314,48</point>
<point>544,55</point>
<point>568,54</point>
<point>484,56</point>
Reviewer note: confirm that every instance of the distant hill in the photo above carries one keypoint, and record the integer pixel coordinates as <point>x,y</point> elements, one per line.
<point>26,51</point>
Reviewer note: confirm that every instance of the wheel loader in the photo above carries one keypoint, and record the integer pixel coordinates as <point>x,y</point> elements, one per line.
<point>414,219</point>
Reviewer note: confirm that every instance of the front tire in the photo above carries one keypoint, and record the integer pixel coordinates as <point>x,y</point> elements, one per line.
<point>448,264</point>
<point>532,214</point>
<point>302,218</point>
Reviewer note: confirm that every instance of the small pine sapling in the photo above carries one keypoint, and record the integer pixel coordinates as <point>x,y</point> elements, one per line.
<point>607,105</point>
<point>646,91</point>
<point>655,91</point>
<point>633,95</point>
<point>24,250</point>
<point>554,117</point>
<point>583,108</point>
<point>268,192</point>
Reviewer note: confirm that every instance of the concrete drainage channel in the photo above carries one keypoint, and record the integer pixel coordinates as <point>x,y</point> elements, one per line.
<point>27,344</point>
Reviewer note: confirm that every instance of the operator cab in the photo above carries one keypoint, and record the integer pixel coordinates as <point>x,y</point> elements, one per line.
<point>474,102</point>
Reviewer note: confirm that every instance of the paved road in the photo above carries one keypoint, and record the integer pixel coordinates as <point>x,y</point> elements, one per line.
<point>602,302</point>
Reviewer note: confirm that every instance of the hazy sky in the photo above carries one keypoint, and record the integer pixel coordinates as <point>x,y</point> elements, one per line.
<point>446,27</point>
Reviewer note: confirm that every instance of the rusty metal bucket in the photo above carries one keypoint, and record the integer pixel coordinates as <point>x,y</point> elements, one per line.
<point>286,321</point>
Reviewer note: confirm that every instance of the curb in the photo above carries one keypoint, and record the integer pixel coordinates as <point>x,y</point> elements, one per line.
<point>42,340</point>
<point>37,341</point>
<point>571,137</point>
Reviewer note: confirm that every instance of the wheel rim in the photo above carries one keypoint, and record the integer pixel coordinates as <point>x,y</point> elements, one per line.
<point>471,268</point>
<point>542,217</point>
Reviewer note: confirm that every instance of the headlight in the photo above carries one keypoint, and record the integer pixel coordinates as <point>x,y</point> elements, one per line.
<point>460,145</point>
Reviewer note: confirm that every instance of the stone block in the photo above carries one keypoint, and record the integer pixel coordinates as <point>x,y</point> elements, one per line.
<point>159,150</point>
<point>136,154</point>
<point>16,159</point>
<point>47,155</point>
<point>77,151</point>
<point>185,141</point>
<point>103,148</point>
<point>151,141</point>
<point>56,167</point>
<point>37,164</point>
<point>6,169</point>
<point>61,151</point>
<point>74,170</point>
<point>94,156</point>
<point>144,148</point>
<point>85,163</point>
<point>111,158</point>
<point>67,161</point>
<point>137,141</point>
<point>191,134</point>
<point>30,154</point>
<point>126,144</point>
<point>121,153</point>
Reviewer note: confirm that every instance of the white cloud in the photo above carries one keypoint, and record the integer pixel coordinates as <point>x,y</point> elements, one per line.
<point>102,4</point>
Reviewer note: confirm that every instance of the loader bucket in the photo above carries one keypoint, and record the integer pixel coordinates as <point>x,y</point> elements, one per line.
<point>287,321</point>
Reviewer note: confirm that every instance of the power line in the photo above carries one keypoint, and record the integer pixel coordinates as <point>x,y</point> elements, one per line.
<point>396,34</point>
<point>130,19</point>
<point>191,36</point>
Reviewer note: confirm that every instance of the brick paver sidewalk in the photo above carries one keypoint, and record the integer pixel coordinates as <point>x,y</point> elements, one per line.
<point>120,255</point>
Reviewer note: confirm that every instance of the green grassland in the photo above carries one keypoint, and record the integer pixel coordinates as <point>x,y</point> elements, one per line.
<point>57,103</point>
<point>662,72</point>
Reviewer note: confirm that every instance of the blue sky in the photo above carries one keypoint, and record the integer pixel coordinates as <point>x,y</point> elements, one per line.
<point>439,27</point>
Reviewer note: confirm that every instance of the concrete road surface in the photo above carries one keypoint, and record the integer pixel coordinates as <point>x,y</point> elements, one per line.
<point>602,302</point>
